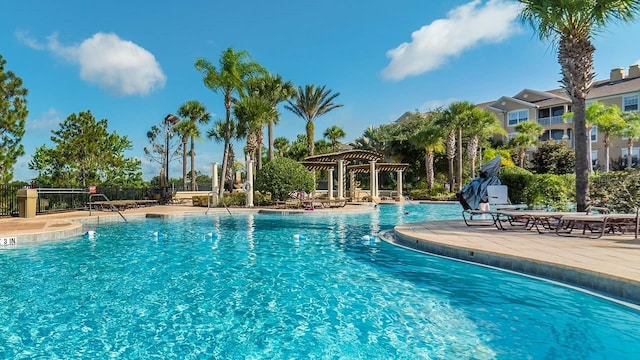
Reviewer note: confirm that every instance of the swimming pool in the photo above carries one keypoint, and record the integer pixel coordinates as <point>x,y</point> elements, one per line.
<point>298,286</point>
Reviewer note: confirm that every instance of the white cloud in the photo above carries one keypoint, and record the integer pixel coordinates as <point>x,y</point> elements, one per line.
<point>46,122</point>
<point>119,66</point>
<point>463,28</point>
<point>435,104</point>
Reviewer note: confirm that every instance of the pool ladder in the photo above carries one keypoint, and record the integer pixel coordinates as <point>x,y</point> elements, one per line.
<point>111,206</point>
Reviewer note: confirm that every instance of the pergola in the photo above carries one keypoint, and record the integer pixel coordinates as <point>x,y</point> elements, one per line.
<point>346,161</point>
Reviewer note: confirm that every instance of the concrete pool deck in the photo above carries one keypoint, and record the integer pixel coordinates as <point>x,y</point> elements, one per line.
<point>609,266</point>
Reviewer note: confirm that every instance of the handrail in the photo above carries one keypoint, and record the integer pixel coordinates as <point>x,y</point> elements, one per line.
<point>210,195</point>
<point>111,205</point>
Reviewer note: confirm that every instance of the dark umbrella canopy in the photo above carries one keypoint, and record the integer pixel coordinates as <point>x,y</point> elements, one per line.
<point>475,192</point>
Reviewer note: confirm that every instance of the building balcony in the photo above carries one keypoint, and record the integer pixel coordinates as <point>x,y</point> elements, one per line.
<point>553,120</point>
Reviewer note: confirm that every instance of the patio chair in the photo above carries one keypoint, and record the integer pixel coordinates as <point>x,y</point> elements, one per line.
<point>595,226</point>
<point>498,200</point>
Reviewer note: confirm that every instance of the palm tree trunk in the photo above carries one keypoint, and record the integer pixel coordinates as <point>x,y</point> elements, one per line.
<point>270,135</point>
<point>629,153</point>
<point>451,154</point>
<point>193,166</point>
<point>184,163</point>
<point>258,160</point>
<point>472,152</point>
<point>582,162</point>
<point>459,177</point>
<point>606,152</point>
<point>310,137</point>
<point>227,146</point>
<point>428,164</point>
<point>522,155</point>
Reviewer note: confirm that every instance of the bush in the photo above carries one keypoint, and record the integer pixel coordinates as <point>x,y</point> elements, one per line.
<point>554,192</point>
<point>618,191</point>
<point>234,199</point>
<point>553,158</point>
<point>518,180</point>
<point>282,176</point>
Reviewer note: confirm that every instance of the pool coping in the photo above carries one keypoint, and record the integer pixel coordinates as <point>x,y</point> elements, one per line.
<point>510,250</point>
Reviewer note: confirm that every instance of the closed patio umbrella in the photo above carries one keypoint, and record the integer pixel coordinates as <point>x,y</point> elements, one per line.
<point>475,192</point>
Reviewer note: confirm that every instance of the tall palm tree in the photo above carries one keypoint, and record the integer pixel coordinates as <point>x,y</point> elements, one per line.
<point>571,24</point>
<point>185,129</point>
<point>309,103</point>
<point>528,135</point>
<point>218,133</point>
<point>275,90</point>
<point>430,137</point>
<point>197,114</point>
<point>481,123</point>
<point>632,132</point>
<point>334,133</point>
<point>234,71</point>
<point>453,120</point>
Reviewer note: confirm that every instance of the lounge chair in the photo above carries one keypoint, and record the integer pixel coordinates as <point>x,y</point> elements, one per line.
<point>498,201</point>
<point>596,225</point>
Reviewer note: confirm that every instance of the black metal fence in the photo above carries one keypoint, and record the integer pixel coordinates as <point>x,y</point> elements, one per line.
<point>61,199</point>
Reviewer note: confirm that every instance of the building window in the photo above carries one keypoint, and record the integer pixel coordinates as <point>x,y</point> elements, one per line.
<point>634,156</point>
<point>518,116</point>
<point>594,159</point>
<point>630,103</point>
<point>594,133</point>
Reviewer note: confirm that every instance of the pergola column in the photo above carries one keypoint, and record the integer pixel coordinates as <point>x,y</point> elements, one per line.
<point>373,180</point>
<point>352,186</point>
<point>330,183</point>
<point>399,198</point>
<point>340,179</point>
<point>214,183</point>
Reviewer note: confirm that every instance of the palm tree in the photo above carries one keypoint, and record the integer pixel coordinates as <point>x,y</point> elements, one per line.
<point>609,121</point>
<point>430,137</point>
<point>309,103</point>
<point>453,120</point>
<point>235,69</point>
<point>218,133</point>
<point>481,123</point>
<point>632,132</point>
<point>281,145</point>
<point>197,114</point>
<point>333,134</point>
<point>185,129</point>
<point>528,134</point>
<point>274,90</point>
<point>571,24</point>
<point>253,113</point>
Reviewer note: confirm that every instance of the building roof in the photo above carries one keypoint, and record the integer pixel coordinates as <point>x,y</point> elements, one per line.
<point>348,155</point>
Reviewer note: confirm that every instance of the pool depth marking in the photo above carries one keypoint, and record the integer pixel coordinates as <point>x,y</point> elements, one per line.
<point>8,241</point>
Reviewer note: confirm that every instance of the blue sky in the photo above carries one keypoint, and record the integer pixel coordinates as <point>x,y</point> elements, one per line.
<point>132,62</point>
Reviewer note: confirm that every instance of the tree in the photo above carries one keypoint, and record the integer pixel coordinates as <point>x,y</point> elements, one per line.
<point>275,90</point>
<point>235,70</point>
<point>197,114</point>
<point>609,122</point>
<point>334,133</point>
<point>85,153</point>
<point>453,120</point>
<point>309,103</point>
<point>428,136</point>
<point>253,113</point>
<point>13,114</point>
<point>218,132</point>
<point>571,24</point>
<point>553,157</point>
<point>185,129</point>
<point>282,176</point>
<point>162,149</point>
<point>281,145</point>
<point>527,136</point>
<point>632,132</point>
<point>480,123</point>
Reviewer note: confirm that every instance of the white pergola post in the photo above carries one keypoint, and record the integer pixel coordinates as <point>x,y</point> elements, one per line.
<point>340,179</point>
<point>330,184</point>
<point>214,183</point>
<point>249,189</point>
<point>399,198</point>
<point>373,180</point>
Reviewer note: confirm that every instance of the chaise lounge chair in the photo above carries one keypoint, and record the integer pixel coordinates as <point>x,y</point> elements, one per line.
<point>498,201</point>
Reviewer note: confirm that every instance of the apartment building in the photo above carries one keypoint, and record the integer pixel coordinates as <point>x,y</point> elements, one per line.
<point>547,108</point>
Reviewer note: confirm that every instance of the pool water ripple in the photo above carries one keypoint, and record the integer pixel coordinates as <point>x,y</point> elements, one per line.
<point>253,289</point>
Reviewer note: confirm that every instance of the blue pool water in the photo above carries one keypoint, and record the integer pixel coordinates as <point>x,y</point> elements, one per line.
<point>288,287</point>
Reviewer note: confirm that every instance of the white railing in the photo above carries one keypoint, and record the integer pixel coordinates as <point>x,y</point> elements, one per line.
<point>553,120</point>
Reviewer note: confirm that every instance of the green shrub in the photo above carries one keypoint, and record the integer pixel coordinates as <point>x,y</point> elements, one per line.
<point>233,199</point>
<point>518,180</point>
<point>618,191</point>
<point>282,176</point>
<point>553,192</point>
